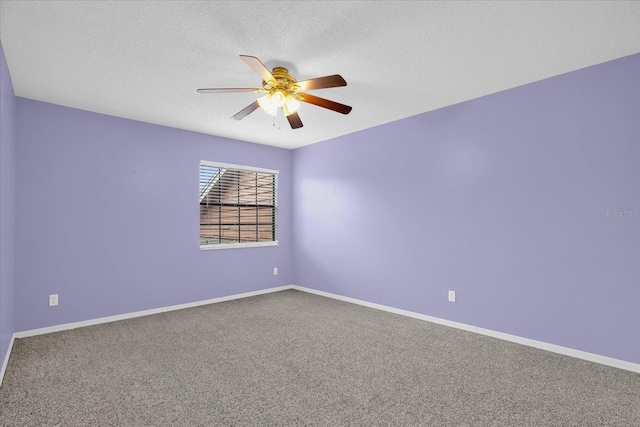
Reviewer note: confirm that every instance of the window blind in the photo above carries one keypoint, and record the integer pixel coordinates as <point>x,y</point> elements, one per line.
<point>238,205</point>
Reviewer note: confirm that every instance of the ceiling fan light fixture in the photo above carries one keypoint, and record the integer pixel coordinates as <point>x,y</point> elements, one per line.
<point>267,105</point>
<point>292,104</point>
<point>278,99</point>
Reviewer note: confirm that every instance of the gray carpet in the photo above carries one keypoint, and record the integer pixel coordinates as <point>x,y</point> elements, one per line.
<point>294,359</point>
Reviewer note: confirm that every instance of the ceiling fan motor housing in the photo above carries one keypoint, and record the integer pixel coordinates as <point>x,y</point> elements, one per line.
<point>284,81</point>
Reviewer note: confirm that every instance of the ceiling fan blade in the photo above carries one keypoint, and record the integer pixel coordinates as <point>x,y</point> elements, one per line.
<point>229,89</point>
<point>335,80</point>
<point>294,121</point>
<point>324,103</point>
<point>247,110</point>
<point>258,67</point>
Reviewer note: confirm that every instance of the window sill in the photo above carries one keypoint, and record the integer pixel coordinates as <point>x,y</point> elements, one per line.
<point>237,245</point>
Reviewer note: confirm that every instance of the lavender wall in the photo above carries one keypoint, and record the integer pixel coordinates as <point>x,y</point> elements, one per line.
<point>500,199</point>
<point>7,205</point>
<point>107,217</point>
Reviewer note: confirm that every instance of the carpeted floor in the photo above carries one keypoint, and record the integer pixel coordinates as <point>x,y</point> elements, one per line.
<point>295,359</point>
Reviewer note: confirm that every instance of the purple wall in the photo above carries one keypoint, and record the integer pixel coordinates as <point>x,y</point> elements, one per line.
<point>500,199</point>
<point>7,205</point>
<point>107,217</point>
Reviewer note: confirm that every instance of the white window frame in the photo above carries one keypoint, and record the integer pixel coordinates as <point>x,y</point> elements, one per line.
<point>275,217</point>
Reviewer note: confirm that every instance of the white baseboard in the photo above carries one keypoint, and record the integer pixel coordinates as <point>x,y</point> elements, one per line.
<point>6,359</point>
<point>90,322</point>
<point>579,354</point>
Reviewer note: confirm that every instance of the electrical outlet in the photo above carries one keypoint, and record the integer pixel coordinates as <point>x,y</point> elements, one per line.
<point>53,300</point>
<point>452,296</point>
<point>275,271</point>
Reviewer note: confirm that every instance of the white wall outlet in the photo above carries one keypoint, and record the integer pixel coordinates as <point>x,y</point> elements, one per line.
<point>53,300</point>
<point>275,271</point>
<point>452,296</point>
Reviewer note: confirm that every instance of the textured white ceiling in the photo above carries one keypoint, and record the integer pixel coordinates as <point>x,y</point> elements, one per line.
<point>144,60</point>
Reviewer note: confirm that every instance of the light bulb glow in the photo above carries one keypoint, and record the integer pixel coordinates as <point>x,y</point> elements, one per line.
<point>278,99</point>
<point>292,104</point>
<point>267,105</point>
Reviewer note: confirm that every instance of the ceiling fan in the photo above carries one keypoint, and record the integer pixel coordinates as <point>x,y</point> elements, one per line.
<point>283,91</point>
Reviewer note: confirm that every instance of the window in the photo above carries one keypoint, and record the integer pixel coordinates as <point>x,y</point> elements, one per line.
<point>238,206</point>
